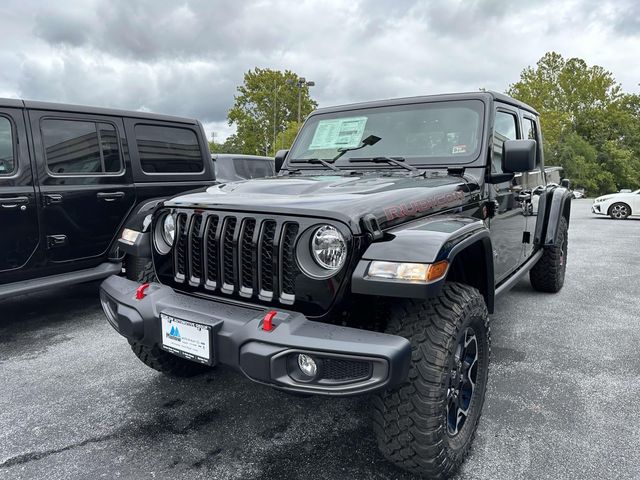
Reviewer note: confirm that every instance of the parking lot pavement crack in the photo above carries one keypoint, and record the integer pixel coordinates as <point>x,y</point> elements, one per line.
<point>33,456</point>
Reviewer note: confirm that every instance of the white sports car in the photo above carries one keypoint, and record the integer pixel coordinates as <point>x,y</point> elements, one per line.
<point>618,205</point>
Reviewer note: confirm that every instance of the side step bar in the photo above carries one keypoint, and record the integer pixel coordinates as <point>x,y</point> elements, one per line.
<point>518,274</point>
<point>103,270</point>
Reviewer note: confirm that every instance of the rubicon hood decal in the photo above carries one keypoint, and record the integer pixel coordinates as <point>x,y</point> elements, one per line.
<point>415,207</point>
<point>392,199</point>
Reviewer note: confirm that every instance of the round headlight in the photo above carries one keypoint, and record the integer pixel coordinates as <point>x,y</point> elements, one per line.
<point>169,229</point>
<point>329,248</point>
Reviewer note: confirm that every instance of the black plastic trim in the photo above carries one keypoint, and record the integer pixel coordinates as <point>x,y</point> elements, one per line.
<point>240,342</point>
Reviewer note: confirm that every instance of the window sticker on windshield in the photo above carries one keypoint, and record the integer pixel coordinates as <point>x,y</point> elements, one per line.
<point>338,133</point>
<point>459,149</point>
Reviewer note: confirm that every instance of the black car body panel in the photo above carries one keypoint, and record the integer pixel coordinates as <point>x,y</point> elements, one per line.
<point>390,198</point>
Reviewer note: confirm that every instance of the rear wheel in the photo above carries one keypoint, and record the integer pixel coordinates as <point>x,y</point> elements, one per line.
<point>619,211</point>
<point>165,362</point>
<point>427,425</point>
<point>548,274</point>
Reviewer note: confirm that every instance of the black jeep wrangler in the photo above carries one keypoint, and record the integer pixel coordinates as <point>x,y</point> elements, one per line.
<point>73,177</point>
<point>369,265</point>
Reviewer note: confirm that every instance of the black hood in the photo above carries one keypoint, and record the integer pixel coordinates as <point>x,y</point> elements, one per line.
<point>347,198</point>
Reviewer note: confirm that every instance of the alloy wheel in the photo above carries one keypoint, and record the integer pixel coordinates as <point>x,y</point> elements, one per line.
<point>619,211</point>
<point>462,381</point>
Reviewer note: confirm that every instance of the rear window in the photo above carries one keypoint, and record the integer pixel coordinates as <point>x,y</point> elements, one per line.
<point>253,168</point>
<point>168,149</point>
<point>77,147</point>
<point>229,170</point>
<point>7,162</point>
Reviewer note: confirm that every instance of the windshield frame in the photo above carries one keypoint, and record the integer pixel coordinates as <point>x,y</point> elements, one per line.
<point>421,162</point>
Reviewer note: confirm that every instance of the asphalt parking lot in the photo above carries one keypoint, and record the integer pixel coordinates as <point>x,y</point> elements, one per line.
<point>563,399</point>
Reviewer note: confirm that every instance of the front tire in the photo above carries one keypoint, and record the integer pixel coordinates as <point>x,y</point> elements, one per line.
<point>428,424</point>
<point>164,362</point>
<point>619,211</point>
<point>548,274</point>
<point>139,269</point>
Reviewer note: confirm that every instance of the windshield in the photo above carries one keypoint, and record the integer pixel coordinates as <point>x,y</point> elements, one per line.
<point>423,134</point>
<point>230,170</point>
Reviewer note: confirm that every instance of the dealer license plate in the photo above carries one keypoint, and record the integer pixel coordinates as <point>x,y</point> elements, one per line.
<point>186,339</point>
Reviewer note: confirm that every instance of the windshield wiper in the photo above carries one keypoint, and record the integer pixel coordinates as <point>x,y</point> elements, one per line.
<point>370,140</point>
<point>393,160</point>
<point>316,161</point>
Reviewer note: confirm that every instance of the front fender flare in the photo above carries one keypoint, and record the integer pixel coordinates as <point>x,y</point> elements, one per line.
<point>425,242</point>
<point>138,220</point>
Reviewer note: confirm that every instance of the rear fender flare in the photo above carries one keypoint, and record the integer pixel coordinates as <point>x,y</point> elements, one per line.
<point>554,206</point>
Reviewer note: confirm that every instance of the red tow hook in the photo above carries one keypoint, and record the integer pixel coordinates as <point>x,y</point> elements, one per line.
<point>140,291</point>
<point>267,321</point>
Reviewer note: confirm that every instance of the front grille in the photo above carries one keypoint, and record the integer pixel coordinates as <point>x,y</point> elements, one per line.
<point>337,369</point>
<point>181,247</point>
<point>234,254</point>
<point>196,249</point>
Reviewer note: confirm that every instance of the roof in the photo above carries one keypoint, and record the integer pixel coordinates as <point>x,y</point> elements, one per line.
<point>239,155</point>
<point>63,107</point>
<point>480,95</point>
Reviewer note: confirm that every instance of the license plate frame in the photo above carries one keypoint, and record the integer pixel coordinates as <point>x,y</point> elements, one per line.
<point>190,340</point>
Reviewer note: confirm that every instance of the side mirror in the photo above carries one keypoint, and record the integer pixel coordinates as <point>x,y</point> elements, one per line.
<point>518,156</point>
<point>280,157</point>
<point>565,182</point>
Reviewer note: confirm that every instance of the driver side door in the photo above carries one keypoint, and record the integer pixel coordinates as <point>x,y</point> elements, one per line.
<point>508,223</point>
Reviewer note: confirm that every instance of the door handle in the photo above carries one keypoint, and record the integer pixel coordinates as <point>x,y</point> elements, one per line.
<point>13,202</point>
<point>52,199</point>
<point>110,196</point>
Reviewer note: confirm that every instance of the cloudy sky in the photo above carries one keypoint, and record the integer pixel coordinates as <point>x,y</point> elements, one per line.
<point>187,57</point>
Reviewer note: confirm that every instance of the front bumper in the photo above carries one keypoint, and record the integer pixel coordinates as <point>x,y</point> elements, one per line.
<point>351,361</point>
<point>598,209</point>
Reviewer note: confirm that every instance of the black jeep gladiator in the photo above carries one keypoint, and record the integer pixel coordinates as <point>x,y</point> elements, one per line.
<point>75,179</point>
<point>369,265</point>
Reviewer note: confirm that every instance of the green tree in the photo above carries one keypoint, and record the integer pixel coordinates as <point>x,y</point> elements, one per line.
<point>591,128</point>
<point>230,145</point>
<point>266,103</point>
<point>285,138</point>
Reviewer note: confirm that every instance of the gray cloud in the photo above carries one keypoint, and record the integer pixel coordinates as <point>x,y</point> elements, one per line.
<point>186,58</point>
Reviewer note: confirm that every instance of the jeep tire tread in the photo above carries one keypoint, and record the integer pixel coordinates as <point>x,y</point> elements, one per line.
<point>411,422</point>
<point>548,274</point>
<point>165,362</point>
<point>139,269</point>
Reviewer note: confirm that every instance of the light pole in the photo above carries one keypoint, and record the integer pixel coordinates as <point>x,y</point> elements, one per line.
<point>302,82</point>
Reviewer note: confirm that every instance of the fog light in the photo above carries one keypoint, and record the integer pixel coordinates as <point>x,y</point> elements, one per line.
<point>307,365</point>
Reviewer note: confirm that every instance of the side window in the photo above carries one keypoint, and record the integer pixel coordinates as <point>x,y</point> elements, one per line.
<point>505,128</point>
<point>7,157</point>
<point>74,147</point>
<point>530,132</point>
<point>529,129</point>
<point>168,149</point>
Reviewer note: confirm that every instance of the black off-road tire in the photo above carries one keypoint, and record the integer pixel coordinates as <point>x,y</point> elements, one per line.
<point>139,269</point>
<point>165,362</point>
<point>411,422</point>
<point>619,211</point>
<point>548,274</point>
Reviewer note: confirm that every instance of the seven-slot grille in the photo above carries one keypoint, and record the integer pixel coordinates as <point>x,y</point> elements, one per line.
<point>237,254</point>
